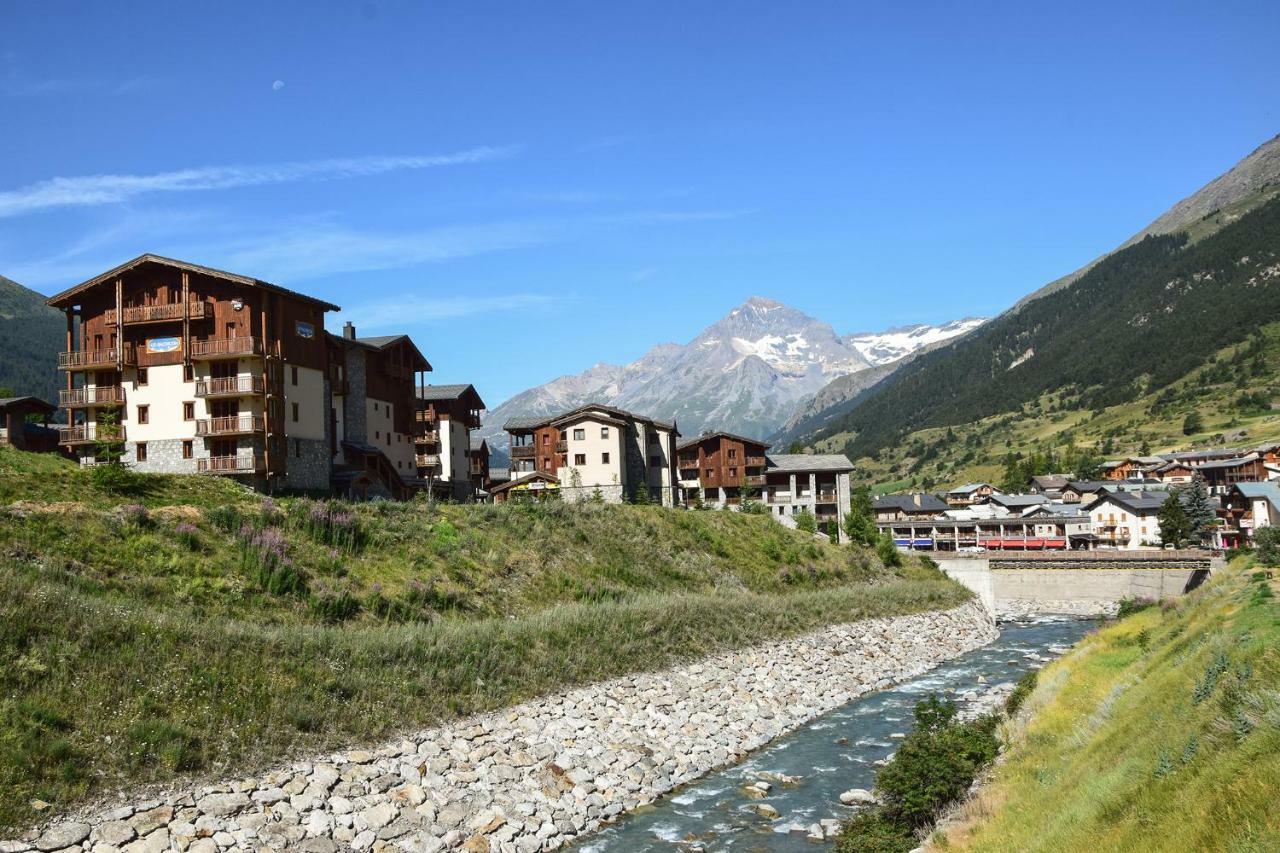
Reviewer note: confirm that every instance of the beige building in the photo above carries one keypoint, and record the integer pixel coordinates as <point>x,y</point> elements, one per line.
<point>450,413</point>
<point>1127,520</point>
<point>598,451</point>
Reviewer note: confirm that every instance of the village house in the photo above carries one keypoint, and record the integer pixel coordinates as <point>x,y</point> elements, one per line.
<point>1246,508</point>
<point>18,428</point>
<point>980,527</point>
<point>480,476</point>
<point>1127,520</point>
<point>971,493</point>
<point>597,452</point>
<point>1077,491</point>
<point>1048,484</point>
<point>903,507</point>
<point>188,369</point>
<point>720,469</point>
<point>446,417</point>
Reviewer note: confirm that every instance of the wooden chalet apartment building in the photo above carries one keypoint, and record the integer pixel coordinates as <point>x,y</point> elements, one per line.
<point>190,369</point>
<point>447,415</point>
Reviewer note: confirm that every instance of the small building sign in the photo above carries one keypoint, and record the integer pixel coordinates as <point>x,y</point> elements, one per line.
<point>159,345</point>
<point>304,329</point>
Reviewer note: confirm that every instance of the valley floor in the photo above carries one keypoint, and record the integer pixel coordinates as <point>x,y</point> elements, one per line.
<point>1160,732</point>
<point>191,628</point>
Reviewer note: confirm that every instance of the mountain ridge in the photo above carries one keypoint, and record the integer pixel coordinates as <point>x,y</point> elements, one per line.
<point>31,333</point>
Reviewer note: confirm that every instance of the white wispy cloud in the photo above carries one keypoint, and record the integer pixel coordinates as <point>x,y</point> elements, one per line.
<point>387,313</point>
<point>111,189</point>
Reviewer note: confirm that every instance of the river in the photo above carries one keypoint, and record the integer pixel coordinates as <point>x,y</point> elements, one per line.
<point>832,754</point>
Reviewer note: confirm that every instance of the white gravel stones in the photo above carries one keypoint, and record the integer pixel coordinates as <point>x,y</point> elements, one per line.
<point>535,776</point>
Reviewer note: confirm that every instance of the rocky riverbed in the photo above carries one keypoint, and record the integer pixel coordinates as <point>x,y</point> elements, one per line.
<point>539,774</point>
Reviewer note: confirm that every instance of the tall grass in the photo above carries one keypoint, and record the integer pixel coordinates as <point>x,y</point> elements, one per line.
<point>97,692</point>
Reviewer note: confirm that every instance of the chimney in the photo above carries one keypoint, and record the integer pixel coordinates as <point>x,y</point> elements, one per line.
<point>349,331</point>
<point>916,498</point>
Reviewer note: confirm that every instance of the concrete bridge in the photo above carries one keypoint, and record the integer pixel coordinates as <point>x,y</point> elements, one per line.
<point>1082,583</point>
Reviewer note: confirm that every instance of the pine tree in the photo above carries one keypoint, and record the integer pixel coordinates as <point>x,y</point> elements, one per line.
<point>1200,512</point>
<point>1175,526</point>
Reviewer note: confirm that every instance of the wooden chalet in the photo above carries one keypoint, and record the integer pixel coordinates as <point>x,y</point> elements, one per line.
<point>720,468</point>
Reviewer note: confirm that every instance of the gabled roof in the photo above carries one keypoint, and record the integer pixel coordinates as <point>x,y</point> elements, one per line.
<point>1235,462</point>
<point>477,443</point>
<point>1084,486</point>
<point>815,462</point>
<point>1137,502</point>
<point>382,343</point>
<point>908,503</point>
<point>440,393</point>
<point>527,478</point>
<point>1018,501</point>
<point>970,488</point>
<point>721,434</point>
<point>589,415</point>
<point>1050,481</point>
<point>517,423</point>
<point>66,297</point>
<point>31,403</point>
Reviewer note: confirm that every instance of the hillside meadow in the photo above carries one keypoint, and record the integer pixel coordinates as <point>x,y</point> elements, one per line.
<point>163,626</point>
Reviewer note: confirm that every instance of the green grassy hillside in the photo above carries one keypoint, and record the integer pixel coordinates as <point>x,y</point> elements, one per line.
<point>1231,392</point>
<point>1138,321</point>
<point>190,625</point>
<point>31,334</point>
<point>1160,733</point>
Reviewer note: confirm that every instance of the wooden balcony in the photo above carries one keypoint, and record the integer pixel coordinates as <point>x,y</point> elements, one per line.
<point>562,446</point>
<point>476,470</point>
<point>233,425</point>
<point>89,434</point>
<point>423,416</point>
<point>427,436</point>
<point>232,465</point>
<point>427,460</point>
<point>523,451</point>
<point>827,497</point>
<point>94,359</point>
<point>83,398</point>
<point>688,463</point>
<point>220,348</point>
<point>231,386</point>
<point>755,461</point>
<point>754,479</point>
<point>195,310</point>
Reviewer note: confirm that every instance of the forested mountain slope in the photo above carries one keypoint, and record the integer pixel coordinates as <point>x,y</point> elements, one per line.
<point>1139,320</point>
<point>31,334</point>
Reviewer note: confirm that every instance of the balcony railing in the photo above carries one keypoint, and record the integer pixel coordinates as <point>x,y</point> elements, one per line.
<point>476,470</point>
<point>827,497</point>
<point>523,451</point>
<point>562,446</point>
<point>686,463</point>
<point>225,348</point>
<point>427,460</point>
<point>231,465</point>
<point>90,434</point>
<point>99,395</point>
<point>427,436</point>
<point>230,386</point>
<point>755,462</point>
<point>233,425</point>
<point>779,498</point>
<point>96,358</point>
<point>754,479</point>
<point>195,310</point>
<point>423,416</point>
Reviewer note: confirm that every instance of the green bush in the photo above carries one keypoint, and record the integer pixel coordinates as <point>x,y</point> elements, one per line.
<point>888,552</point>
<point>873,831</point>
<point>1021,691</point>
<point>806,521</point>
<point>1130,606</point>
<point>118,479</point>
<point>1267,542</point>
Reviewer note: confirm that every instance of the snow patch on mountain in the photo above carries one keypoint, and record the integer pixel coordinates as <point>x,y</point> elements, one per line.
<point>884,347</point>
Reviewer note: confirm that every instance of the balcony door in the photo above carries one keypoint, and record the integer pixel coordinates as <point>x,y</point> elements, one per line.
<point>222,447</point>
<point>222,369</point>
<point>230,329</point>
<point>226,408</point>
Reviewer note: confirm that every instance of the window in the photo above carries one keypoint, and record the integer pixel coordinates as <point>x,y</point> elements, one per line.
<point>604,432</point>
<point>711,472</point>
<point>655,461</point>
<point>377,434</point>
<point>546,464</point>
<point>579,459</point>
<point>295,412</point>
<point>188,450</point>
<point>142,376</point>
<point>297,448</point>
<point>733,453</point>
<point>140,451</point>
<point>733,473</point>
<point>375,408</point>
<point>546,439</point>
<point>188,373</point>
<point>188,414</point>
<point>579,435</point>
<point>144,414</point>
<point>604,458</point>
<point>293,375</point>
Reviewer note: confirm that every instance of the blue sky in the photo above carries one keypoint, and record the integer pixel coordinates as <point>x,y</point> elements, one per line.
<point>531,188</point>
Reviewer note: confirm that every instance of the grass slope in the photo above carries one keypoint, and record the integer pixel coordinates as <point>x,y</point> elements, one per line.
<point>1223,390</point>
<point>155,634</point>
<point>1161,733</point>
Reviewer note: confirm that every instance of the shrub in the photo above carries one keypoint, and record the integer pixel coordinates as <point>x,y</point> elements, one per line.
<point>329,524</point>
<point>267,561</point>
<point>934,767</point>
<point>135,516</point>
<point>226,518</point>
<point>806,521</point>
<point>335,607</point>
<point>873,831</point>
<point>188,534</point>
<point>117,479</point>
<point>1021,691</point>
<point>888,552</point>
<point>1130,606</point>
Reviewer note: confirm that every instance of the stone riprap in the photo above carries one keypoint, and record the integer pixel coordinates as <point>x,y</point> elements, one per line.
<point>539,774</point>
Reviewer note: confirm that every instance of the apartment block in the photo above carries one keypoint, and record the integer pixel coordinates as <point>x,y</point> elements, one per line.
<point>190,369</point>
<point>597,451</point>
<point>447,415</point>
<point>817,483</point>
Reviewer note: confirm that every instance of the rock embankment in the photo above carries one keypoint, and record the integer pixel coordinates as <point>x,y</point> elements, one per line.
<point>541,773</point>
